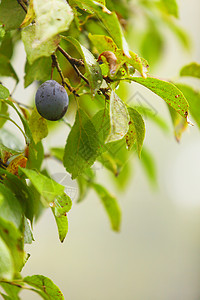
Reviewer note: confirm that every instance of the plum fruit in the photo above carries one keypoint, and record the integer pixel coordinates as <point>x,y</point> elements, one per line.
<point>51,100</point>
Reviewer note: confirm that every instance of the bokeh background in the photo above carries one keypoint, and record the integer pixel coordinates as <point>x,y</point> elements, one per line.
<point>156,256</point>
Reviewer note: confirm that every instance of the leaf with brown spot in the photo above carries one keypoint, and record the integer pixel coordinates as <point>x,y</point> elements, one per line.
<point>45,287</point>
<point>105,43</point>
<point>136,132</point>
<point>111,60</point>
<point>19,161</point>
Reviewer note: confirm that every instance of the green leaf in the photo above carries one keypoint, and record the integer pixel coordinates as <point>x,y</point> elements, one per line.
<point>6,68</point>
<point>52,17</point>
<point>109,19</point>
<point>102,2</point>
<point>11,141</point>
<point>62,224</point>
<point>38,126</point>
<point>11,290</point>
<point>115,156</point>
<point>149,166</point>
<point>6,262</point>
<point>3,111</point>
<point>6,47</point>
<point>136,132</point>
<point>35,48</point>
<point>58,153</point>
<point>5,297</point>
<point>47,187</point>
<point>4,92</point>
<point>124,177</point>
<point>83,188</point>
<point>167,91</point>
<point>10,208</point>
<point>35,155</point>
<point>21,192</point>
<point>149,114</point>
<point>61,207</point>
<point>179,33</point>
<point>11,14</point>
<point>101,121</point>
<point>41,73</point>
<point>171,7</point>
<point>193,98</point>
<point>45,287</point>
<point>93,69</point>
<point>152,44</point>
<point>53,195</point>
<point>82,147</point>
<point>180,124</point>
<point>87,176</point>
<point>192,69</point>
<point>119,118</point>
<point>14,241</point>
<point>105,43</point>
<point>28,235</point>
<point>110,204</point>
<point>2,34</point>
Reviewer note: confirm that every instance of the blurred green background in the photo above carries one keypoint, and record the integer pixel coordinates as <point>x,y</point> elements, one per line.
<point>156,256</point>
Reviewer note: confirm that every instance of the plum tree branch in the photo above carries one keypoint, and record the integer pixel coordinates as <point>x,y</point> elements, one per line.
<point>74,62</point>
<point>78,62</point>
<point>55,63</point>
<point>23,5</point>
<point>20,104</point>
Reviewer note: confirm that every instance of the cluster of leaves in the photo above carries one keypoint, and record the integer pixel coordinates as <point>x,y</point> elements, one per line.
<point>92,58</point>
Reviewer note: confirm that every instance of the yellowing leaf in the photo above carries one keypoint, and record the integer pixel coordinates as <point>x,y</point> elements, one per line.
<point>34,47</point>
<point>192,70</point>
<point>19,161</point>
<point>193,98</point>
<point>167,91</point>
<point>30,16</point>
<point>119,118</point>
<point>109,20</point>
<point>136,131</point>
<point>6,262</point>
<point>38,126</point>
<point>105,43</point>
<point>52,17</point>
<point>171,7</point>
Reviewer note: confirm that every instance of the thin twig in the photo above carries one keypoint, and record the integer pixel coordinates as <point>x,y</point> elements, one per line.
<point>23,5</point>
<point>67,123</point>
<point>64,83</point>
<point>9,119</point>
<point>21,104</point>
<point>74,62</point>
<point>78,62</point>
<point>80,74</point>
